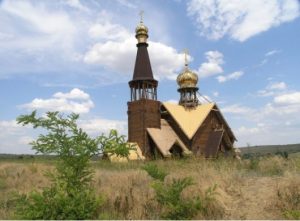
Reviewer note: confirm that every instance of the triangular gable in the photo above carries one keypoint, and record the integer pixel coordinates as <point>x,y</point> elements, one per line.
<point>164,138</point>
<point>189,120</point>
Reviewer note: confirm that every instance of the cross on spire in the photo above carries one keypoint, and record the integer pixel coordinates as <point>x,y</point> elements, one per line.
<point>186,53</point>
<point>142,15</point>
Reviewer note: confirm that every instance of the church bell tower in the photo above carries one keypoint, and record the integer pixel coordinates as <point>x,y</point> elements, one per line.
<point>143,107</point>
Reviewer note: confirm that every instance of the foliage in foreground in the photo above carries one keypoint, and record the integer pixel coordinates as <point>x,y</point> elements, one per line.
<point>169,196</point>
<point>70,195</point>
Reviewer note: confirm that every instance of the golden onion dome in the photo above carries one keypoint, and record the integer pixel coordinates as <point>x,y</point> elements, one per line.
<point>141,31</point>
<point>187,79</point>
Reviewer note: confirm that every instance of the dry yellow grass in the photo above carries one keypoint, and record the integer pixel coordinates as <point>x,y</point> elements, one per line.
<point>246,190</point>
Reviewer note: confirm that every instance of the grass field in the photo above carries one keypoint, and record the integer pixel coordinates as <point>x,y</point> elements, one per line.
<point>262,188</point>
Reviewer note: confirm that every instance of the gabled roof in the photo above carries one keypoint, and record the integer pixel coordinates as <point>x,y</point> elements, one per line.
<point>189,120</point>
<point>165,138</point>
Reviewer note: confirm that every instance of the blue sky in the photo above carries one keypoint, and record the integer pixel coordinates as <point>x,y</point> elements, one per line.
<point>72,55</point>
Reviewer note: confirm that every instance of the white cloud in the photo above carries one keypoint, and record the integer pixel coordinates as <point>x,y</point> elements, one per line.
<point>288,99</point>
<point>240,19</point>
<point>237,109</point>
<point>50,27</point>
<point>108,31</point>
<point>127,4</point>
<point>14,137</point>
<point>233,76</point>
<point>118,54</point>
<point>277,86</point>
<point>73,94</point>
<point>268,124</point>
<point>213,64</point>
<point>265,93</point>
<point>76,101</point>
<point>271,53</point>
<point>97,126</point>
<point>273,89</point>
<point>76,4</point>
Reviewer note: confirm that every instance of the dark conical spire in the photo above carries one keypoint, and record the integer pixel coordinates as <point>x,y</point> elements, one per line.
<point>142,68</point>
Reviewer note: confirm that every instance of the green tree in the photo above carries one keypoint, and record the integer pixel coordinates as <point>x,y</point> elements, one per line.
<point>70,195</point>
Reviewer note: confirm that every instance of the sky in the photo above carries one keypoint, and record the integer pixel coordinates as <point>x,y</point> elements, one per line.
<point>78,56</point>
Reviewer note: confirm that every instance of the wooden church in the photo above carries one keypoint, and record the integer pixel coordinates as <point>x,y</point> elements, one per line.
<point>163,130</point>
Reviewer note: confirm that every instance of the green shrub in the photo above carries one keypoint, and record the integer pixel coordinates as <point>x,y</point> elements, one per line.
<point>253,164</point>
<point>54,203</point>
<point>155,172</point>
<point>169,195</point>
<point>174,206</point>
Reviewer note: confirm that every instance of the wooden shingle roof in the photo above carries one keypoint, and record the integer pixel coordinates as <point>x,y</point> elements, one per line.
<point>189,120</point>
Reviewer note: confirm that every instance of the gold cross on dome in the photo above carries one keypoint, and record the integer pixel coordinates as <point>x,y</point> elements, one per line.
<point>142,15</point>
<point>186,53</point>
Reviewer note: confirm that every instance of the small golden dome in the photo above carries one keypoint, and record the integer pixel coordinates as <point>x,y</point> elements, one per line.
<point>187,79</point>
<point>141,33</point>
<point>141,29</point>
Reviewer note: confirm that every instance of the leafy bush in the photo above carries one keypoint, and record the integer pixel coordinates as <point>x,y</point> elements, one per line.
<point>169,196</point>
<point>253,164</point>
<point>70,195</point>
<point>174,206</point>
<point>155,172</point>
<point>55,203</point>
<point>115,144</point>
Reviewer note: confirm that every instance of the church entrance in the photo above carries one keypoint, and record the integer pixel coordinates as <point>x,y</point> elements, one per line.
<point>176,151</point>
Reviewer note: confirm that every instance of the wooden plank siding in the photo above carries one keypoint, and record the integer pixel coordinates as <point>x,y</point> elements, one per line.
<point>142,114</point>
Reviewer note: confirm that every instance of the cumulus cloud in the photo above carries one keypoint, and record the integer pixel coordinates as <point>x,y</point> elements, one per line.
<point>76,4</point>
<point>117,53</point>
<point>73,94</point>
<point>270,123</point>
<point>76,101</point>
<point>97,126</point>
<point>237,109</point>
<point>240,19</point>
<point>271,53</point>
<point>277,86</point>
<point>288,99</point>
<point>213,64</point>
<point>105,30</point>
<point>14,137</point>
<point>233,76</point>
<point>50,27</point>
<point>272,89</point>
